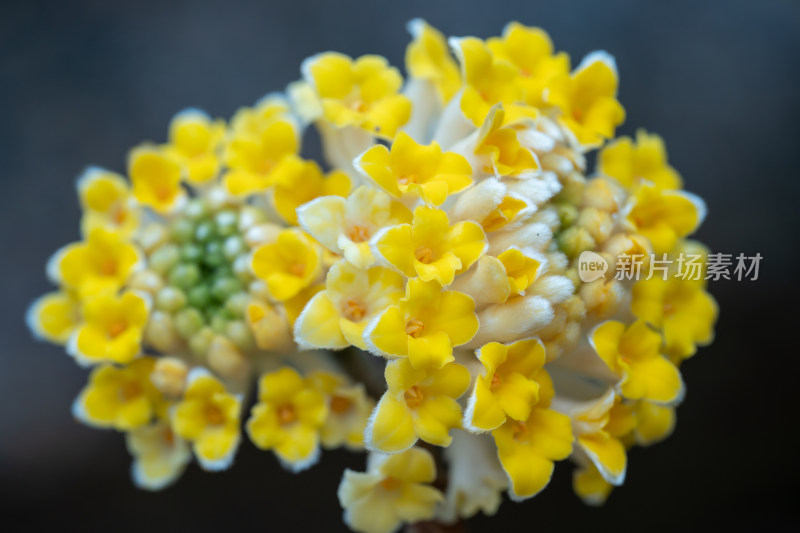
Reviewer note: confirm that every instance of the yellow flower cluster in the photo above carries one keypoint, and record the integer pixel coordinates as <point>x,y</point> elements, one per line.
<point>445,241</point>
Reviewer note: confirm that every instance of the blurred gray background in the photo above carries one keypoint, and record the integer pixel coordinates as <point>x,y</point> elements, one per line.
<point>82,82</point>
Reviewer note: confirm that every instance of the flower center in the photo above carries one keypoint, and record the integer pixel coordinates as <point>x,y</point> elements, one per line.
<point>414,397</point>
<point>414,327</point>
<point>340,405</point>
<point>354,310</point>
<point>297,269</point>
<point>108,267</point>
<point>214,415</point>
<point>129,391</point>
<point>116,329</point>
<point>495,381</point>
<point>286,414</point>
<point>390,483</point>
<point>407,178</point>
<point>520,431</point>
<point>358,233</point>
<point>423,254</point>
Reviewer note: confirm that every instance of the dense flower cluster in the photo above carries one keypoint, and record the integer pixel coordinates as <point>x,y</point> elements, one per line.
<point>444,240</point>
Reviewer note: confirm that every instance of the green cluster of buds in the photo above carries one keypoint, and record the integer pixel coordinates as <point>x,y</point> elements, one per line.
<point>205,266</point>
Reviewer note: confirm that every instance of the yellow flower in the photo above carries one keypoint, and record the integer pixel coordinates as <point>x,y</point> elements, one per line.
<point>298,181</point>
<point>600,429</point>
<point>411,168</point>
<point>103,262</point>
<point>418,404</point>
<point>337,316</point>
<point>252,121</point>
<point>195,141</point>
<point>645,161</point>
<point>361,92</point>
<point>654,422</point>
<point>430,247</point>
<point>156,179</point>
<point>633,354</point>
<point>530,50</point>
<point>488,81</point>
<point>107,202</point>
<point>680,308</point>
<point>587,99</point>
<point>348,411</point>
<point>501,149</point>
<point>424,326</point>
<point>287,418</point>
<point>253,158</point>
<point>159,456</point>
<point>112,329</point>
<point>119,398</point>
<point>208,417</point>
<point>521,269</point>
<point>54,317</point>
<point>590,486</point>
<point>288,265</point>
<point>428,58</point>
<point>345,226</point>
<point>664,217</point>
<point>510,209</point>
<point>508,386</point>
<point>527,449</point>
<point>395,489</point>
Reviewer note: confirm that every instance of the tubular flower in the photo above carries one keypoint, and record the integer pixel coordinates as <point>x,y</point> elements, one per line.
<point>633,352</point>
<point>107,202</point>
<point>644,162</point>
<point>346,226</point>
<point>419,404</point>
<point>411,168</point>
<point>208,417</point>
<point>424,326</point>
<point>112,329</point>
<point>430,247</point>
<point>455,232</point>
<point>195,141</point>
<point>119,398</point>
<point>287,418</point>
<point>337,316</point>
<point>361,92</point>
<point>394,489</point>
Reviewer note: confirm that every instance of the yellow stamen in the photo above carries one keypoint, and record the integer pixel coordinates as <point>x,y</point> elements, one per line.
<point>354,310</point>
<point>414,327</point>
<point>214,415</point>
<point>358,234</point>
<point>286,414</point>
<point>414,397</point>
<point>423,254</point>
<point>340,405</point>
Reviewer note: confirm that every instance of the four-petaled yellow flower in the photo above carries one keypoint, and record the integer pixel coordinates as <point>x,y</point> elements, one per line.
<point>664,216</point>
<point>634,354</point>
<point>101,263</point>
<point>160,456</point>
<point>430,247</point>
<point>298,181</point>
<point>528,448</point>
<point>107,202</point>
<point>209,417</point>
<point>395,489</point>
<point>55,316</point>
<point>337,316</point>
<point>501,150</point>
<point>424,326</point>
<point>418,404</point>
<point>156,179</point>
<point>345,226</point>
<point>112,329</point>
<point>508,387</point>
<point>645,161</point>
<point>119,398</point>
<point>587,99</point>
<point>680,308</point>
<point>288,417</point>
<point>411,168</point>
<point>349,408</point>
<point>428,58</point>
<point>361,93</point>
<point>195,142</point>
<point>253,158</point>
<point>288,265</point>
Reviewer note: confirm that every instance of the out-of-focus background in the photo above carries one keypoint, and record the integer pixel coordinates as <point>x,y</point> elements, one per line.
<point>82,82</point>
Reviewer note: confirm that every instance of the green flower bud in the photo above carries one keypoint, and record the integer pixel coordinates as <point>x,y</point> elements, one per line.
<point>184,275</point>
<point>170,299</point>
<point>188,322</point>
